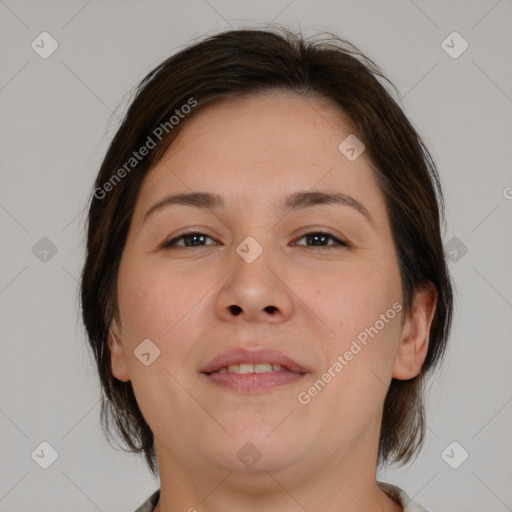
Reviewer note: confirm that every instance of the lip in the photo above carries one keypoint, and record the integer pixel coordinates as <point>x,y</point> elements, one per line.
<point>248,383</point>
<point>241,355</point>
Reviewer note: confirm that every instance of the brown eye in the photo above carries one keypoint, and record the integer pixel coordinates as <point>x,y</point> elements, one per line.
<point>194,239</point>
<point>320,239</point>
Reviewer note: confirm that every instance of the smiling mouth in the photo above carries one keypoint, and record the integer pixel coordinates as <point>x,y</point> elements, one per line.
<point>252,371</point>
<point>249,378</point>
<point>246,368</point>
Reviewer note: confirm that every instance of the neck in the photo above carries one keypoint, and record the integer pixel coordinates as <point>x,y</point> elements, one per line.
<point>341,483</point>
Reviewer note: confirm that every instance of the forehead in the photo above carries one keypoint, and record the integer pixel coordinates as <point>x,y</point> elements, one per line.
<point>260,147</point>
<point>273,127</point>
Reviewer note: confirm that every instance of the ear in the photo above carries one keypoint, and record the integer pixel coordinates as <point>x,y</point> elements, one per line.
<point>118,363</point>
<point>414,337</point>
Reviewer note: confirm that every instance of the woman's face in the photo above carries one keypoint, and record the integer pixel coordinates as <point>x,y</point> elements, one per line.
<point>263,272</point>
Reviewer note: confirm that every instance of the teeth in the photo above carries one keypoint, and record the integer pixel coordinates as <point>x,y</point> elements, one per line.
<point>262,368</point>
<point>251,368</point>
<point>242,368</point>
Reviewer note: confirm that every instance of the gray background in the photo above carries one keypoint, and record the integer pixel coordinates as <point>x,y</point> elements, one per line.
<point>57,116</point>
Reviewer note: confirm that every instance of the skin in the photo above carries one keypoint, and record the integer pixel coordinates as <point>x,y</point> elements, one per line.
<point>318,456</point>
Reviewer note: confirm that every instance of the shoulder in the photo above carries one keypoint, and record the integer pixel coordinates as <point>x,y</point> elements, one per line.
<point>150,504</point>
<point>400,497</point>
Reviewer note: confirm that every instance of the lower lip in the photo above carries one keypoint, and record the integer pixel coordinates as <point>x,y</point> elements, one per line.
<point>254,382</point>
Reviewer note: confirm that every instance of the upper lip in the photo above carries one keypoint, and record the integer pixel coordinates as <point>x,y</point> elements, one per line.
<point>241,355</point>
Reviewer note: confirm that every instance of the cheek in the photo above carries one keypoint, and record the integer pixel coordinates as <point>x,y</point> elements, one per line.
<point>362,309</point>
<point>162,304</point>
<point>350,301</point>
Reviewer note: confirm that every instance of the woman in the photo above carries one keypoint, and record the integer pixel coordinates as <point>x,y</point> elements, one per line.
<point>265,288</point>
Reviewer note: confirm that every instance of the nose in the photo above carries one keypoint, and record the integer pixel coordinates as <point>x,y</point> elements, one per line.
<point>256,292</point>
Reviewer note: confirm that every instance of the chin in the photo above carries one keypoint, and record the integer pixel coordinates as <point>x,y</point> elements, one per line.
<point>256,452</point>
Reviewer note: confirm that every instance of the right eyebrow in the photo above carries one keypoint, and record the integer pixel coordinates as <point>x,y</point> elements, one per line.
<point>204,200</point>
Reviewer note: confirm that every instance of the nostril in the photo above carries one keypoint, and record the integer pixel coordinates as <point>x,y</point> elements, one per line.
<point>235,310</point>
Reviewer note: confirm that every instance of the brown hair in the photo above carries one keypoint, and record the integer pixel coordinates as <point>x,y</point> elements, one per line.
<point>237,63</point>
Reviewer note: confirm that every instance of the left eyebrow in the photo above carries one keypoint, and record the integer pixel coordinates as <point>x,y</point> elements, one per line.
<point>297,200</point>
<point>308,198</point>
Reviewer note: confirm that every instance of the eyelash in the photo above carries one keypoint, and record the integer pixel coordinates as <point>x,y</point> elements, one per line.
<point>341,243</point>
